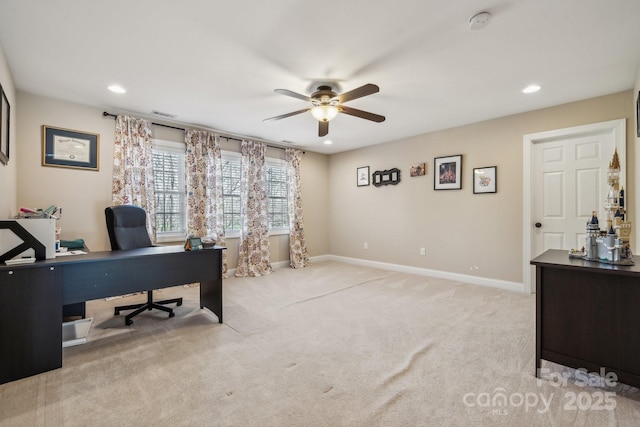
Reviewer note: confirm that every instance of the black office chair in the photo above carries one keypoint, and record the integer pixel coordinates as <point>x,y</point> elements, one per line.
<point>127,229</point>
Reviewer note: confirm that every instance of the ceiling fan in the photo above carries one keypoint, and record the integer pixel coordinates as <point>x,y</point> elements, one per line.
<point>326,104</point>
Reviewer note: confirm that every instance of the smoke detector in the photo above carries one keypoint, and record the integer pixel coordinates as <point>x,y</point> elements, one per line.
<point>479,20</point>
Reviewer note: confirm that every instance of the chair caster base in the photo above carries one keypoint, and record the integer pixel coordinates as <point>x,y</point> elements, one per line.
<point>148,306</point>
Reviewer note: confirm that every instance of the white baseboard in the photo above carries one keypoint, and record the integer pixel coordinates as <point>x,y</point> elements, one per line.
<point>456,277</point>
<point>464,278</point>
<point>275,265</point>
<point>280,264</point>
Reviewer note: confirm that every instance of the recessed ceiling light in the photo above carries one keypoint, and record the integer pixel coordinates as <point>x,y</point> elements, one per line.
<point>531,89</point>
<point>328,142</point>
<point>117,89</point>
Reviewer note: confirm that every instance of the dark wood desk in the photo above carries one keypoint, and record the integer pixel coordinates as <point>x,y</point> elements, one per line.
<point>32,296</point>
<point>588,315</point>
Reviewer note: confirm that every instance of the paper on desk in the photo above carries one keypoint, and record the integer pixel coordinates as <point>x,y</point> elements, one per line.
<point>70,253</point>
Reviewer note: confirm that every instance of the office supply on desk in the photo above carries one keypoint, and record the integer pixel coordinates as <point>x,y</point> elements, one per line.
<point>30,213</point>
<point>72,244</point>
<point>28,210</point>
<point>69,253</point>
<point>30,340</point>
<point>193,244</point>
<point>127,227</point>
<point>17,261</point>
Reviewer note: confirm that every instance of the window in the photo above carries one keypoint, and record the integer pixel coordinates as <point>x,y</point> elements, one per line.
<point>171,204</point>
<point>277,207</point>
<point>231,192</point>
<point>169,177</point>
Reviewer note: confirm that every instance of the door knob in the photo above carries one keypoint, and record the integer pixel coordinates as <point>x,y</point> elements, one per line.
<point>538,225</point>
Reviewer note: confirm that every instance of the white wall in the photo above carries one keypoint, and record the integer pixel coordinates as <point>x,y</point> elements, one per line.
<point>8,173</point>
<point>84,194</point>
<point>463,233</point>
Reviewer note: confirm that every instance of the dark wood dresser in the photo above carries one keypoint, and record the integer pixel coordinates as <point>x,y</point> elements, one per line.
<point>588,315</point>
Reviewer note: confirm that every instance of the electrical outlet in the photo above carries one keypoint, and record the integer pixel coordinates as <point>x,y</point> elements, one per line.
<point>366,245</point>
<point>423,251</point>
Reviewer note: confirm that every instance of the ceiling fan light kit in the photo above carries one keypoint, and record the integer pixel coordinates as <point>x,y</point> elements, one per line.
<point>326,104</point>
<point>324,113</point>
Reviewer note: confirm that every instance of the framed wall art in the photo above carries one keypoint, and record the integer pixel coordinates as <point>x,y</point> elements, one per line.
<point>447,173</point>
<point>484,180</point>
<point>68,148</point>
<point>419,169</point>
<point>362,174</point>
<point>5,116</point>
<point>386,177</point>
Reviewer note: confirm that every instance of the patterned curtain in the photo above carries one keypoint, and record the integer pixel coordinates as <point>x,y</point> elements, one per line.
<point>204,184</point>
<point>253,254</point>
<point>132,182</point>
<point>298,255</point>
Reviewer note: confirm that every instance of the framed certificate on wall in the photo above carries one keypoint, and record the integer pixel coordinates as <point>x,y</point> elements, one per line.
<point>68,148</point>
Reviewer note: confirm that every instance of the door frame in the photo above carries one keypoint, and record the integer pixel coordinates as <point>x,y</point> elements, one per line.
<point>615,127</point>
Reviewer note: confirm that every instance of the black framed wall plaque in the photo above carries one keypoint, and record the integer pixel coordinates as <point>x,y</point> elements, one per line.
<point>68,148</point>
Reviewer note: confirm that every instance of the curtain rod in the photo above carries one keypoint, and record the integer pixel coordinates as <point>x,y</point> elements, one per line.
<point>105,114</point>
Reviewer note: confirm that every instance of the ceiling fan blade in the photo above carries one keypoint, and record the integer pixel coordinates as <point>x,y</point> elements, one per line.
<point>362,114</point>
<point>323,128</point>
<point>292,94</point>
<point>284,116</point>
<point>365,90</point>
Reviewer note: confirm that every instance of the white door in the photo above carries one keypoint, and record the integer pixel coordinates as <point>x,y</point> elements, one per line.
<point>570,182</point>
<point>567,182</point>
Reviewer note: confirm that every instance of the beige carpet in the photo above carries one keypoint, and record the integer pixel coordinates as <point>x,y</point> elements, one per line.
<point>329,345</point>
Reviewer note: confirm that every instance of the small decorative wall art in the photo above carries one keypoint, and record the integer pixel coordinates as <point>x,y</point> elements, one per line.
<point>419,169</point>
<point>386,177</point>
<point>447,173</point>
<point>484,180</point>
<point>362,174</point>
<point>68,148</point>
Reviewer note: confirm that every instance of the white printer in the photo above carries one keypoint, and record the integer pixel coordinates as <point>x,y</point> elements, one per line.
<point>38,230</point>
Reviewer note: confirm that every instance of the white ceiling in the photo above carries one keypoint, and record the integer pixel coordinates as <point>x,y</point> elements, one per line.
<point>216,63</point>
